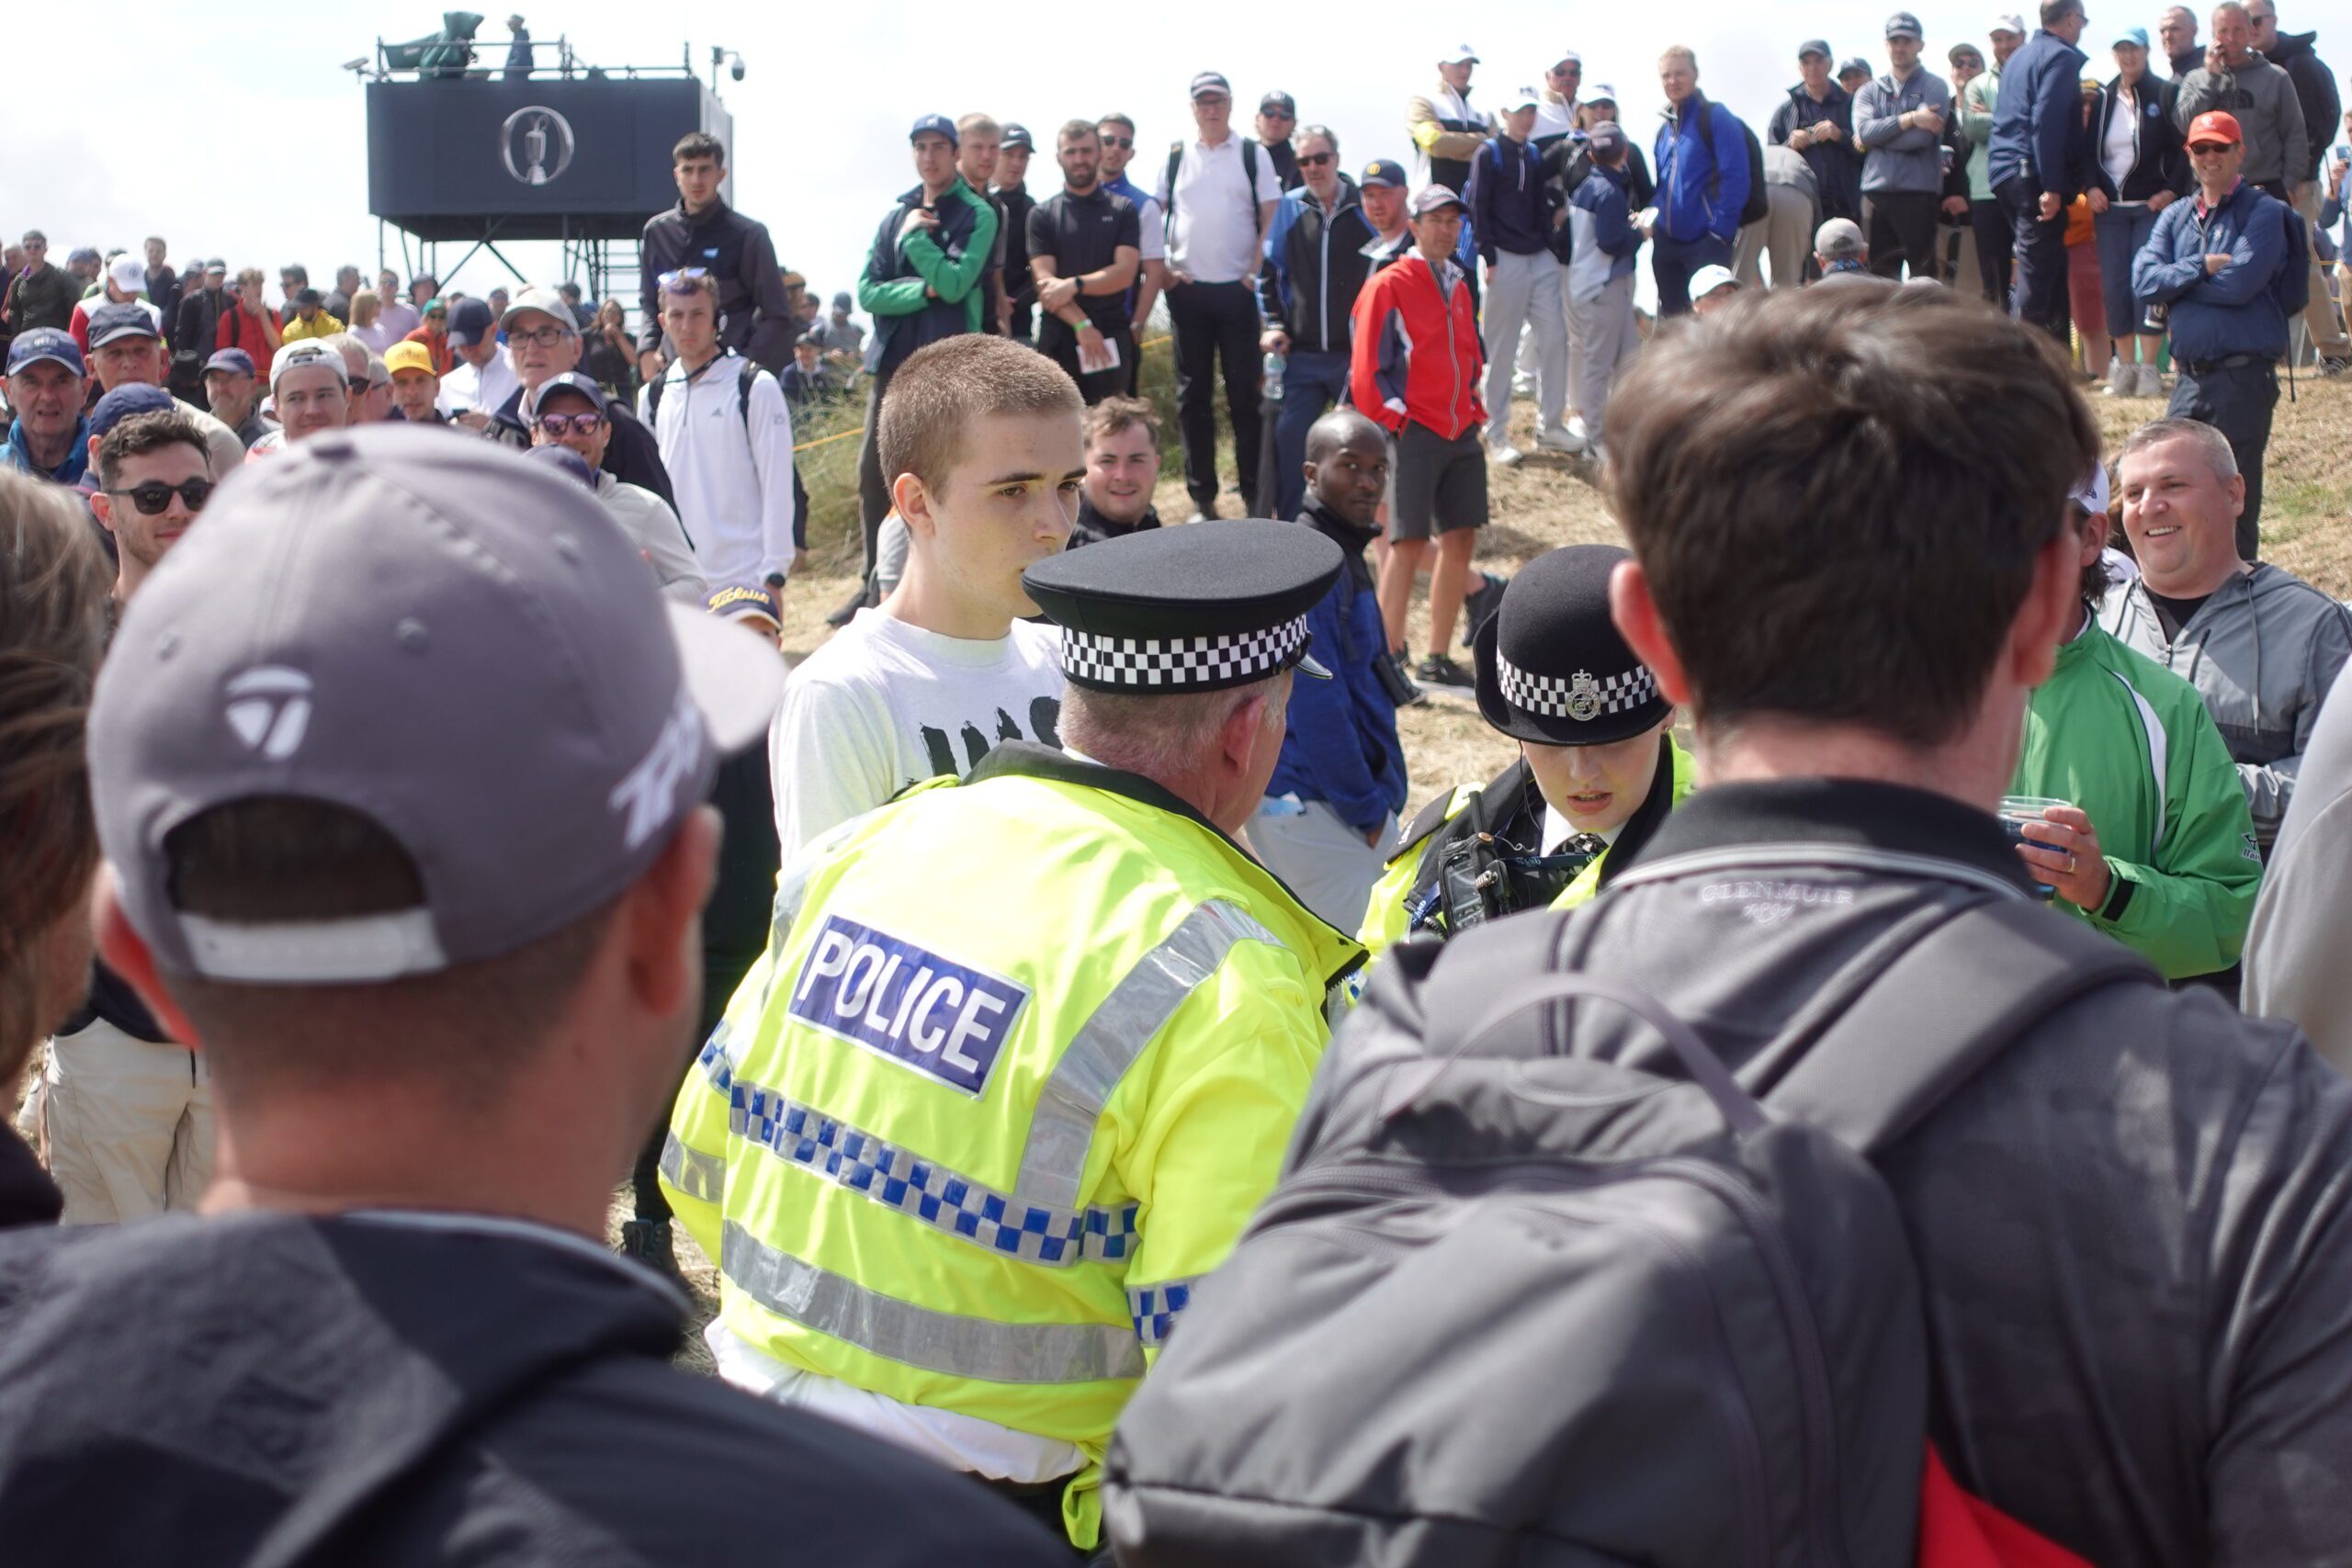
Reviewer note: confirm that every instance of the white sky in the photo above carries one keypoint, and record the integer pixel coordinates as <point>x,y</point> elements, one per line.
<point>248,141</point>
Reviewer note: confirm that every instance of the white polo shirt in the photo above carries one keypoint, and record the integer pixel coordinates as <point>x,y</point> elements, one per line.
<point>1214,237</point>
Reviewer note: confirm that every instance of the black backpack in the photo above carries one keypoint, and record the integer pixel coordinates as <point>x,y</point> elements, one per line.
<point>1513,1307</point>
<point>1759,201</point>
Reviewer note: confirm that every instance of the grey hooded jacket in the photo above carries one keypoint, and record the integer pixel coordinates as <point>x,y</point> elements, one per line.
<point>2132,1229</point>
<point>2262,96</point>
<point>2262,651</point>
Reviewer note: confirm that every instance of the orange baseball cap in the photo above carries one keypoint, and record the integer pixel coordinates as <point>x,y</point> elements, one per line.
<point>2215,126</point>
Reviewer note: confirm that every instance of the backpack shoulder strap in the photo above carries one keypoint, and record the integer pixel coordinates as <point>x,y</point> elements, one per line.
<point>1175,161</point>
<point>744,378</point>
<point>1929,1021</point>
<point>1249,169</point>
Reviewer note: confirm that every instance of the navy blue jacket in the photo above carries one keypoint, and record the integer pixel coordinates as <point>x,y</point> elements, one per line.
<point>1510,209</point>
<point>2036,121</point>
<point>1701,174</point>
<point>2236,309</point>
<point>1604,195</point>
<point>1837,166</point>
<point>1342,746</point>
<point>1315,267</point>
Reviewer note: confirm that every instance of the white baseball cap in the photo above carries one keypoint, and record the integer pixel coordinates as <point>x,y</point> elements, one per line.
<point>128,274</point>
<point>1457,54</point>
<point>2011,23</point>
<point>1707,279</point>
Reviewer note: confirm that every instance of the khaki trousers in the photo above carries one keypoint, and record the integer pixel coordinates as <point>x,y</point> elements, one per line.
<point>128,1125</point>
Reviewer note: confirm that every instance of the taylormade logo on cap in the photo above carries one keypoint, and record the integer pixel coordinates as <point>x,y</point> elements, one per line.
<point>269,707</point>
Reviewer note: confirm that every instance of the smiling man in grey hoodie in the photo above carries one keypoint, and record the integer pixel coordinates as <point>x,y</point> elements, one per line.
<point>2261,646</point>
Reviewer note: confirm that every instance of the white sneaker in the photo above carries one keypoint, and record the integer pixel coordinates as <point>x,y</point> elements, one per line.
<point>1522,384</point>
<point>1560,438</point>
<point>1577,430</point>
<point>2122,380</point>
<point>1502,455</point>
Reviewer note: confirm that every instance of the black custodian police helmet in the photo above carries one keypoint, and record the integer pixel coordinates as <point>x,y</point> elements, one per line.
<point>1553,667</point>
<point>1201,608</point>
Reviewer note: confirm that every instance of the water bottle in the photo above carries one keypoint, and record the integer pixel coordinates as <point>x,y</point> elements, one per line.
<point>1273,392</point>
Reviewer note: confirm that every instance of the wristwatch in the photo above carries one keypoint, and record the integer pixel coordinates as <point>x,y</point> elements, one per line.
<point>775,580</point>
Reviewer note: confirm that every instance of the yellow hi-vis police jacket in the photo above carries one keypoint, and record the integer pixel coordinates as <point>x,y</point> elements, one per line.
<point>1022,1059</point>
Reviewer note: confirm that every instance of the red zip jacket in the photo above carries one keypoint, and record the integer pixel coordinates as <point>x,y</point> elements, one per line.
<point>1417,354</point>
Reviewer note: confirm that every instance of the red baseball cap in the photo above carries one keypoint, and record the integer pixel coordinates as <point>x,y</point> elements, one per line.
<point>2215,126</point>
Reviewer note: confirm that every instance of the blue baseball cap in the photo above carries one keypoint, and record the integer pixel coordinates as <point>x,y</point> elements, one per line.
<point>565,461</point>
<point>936,125</point>
<point>1384,173</point>
<point>233,359</point>
<point>124,402</point>
<point>46,343</point>
<point>2131,35</point>
<point>111,324</point>
<point>470,321</point>
<point>1819,46</point>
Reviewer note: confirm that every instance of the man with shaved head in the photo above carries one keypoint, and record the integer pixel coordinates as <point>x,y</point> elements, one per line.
<point>1332,806</point>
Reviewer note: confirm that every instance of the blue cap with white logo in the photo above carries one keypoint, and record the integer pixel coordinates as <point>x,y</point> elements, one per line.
<point>46,343</point>
<point>125,401</point>
<point>936,125</point>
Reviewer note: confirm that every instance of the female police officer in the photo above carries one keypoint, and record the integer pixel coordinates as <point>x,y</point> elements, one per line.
<point>1597,770</point>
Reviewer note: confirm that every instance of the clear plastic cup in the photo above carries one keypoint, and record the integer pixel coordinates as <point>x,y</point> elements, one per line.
<point>2017,810</point>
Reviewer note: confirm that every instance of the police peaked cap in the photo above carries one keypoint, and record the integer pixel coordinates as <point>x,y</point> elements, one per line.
<point>1199,607</point>
<point>1553,667</point>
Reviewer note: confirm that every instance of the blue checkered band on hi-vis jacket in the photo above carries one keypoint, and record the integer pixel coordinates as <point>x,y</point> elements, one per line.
<point>1164,663</point>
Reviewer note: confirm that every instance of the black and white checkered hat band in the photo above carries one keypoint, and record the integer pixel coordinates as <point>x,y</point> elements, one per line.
<point>1582,697</point>
<point>1187,663</point>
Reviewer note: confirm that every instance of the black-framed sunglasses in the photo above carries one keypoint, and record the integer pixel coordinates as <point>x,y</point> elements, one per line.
<point>1118,141</point>
<point>560,424</point>
<point>1313,160</point>
<point>155,498</point>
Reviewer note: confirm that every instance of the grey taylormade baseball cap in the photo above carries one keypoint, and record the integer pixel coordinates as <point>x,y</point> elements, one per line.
<point>446,637</point>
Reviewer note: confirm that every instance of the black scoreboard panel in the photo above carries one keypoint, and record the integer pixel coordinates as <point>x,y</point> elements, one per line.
<point>545,157</point>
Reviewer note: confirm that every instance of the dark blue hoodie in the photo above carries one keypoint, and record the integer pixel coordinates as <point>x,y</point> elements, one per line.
<point>2037,121</point>
<point>2236,309</point>
<point>278,1391</point>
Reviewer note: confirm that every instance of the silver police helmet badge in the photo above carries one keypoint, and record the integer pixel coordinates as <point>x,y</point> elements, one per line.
<point>1584,697</point>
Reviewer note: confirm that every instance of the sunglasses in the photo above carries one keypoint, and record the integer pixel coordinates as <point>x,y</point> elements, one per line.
<point>685,280</point>
<point>153,498</point>
<point>1118,141</point>
<point>2208,149</point>
<point>538,337</point>
<point>571,423</point>
<point>1313,160</point>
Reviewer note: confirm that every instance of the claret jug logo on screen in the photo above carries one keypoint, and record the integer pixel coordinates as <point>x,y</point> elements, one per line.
<point>536,143</point>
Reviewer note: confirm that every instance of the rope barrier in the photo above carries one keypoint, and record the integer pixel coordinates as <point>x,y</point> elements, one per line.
<point>845,435</point>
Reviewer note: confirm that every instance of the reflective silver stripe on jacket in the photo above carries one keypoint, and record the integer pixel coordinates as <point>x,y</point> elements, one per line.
<point>1099,1054</point>
<point>940,1342</point>
<point>693,1172</point>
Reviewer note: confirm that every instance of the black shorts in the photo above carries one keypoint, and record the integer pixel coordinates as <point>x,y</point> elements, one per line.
<point>1441,484</point>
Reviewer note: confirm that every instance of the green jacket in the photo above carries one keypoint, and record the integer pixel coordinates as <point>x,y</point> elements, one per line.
<point>2131,743</point>
<point>1977,101</point>
<point>926,287</point>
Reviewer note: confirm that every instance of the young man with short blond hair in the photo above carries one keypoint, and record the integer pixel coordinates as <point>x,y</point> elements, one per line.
<point>980,438</point>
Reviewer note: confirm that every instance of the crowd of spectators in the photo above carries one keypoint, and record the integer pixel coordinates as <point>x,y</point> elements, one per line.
<point>2085,688</point>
